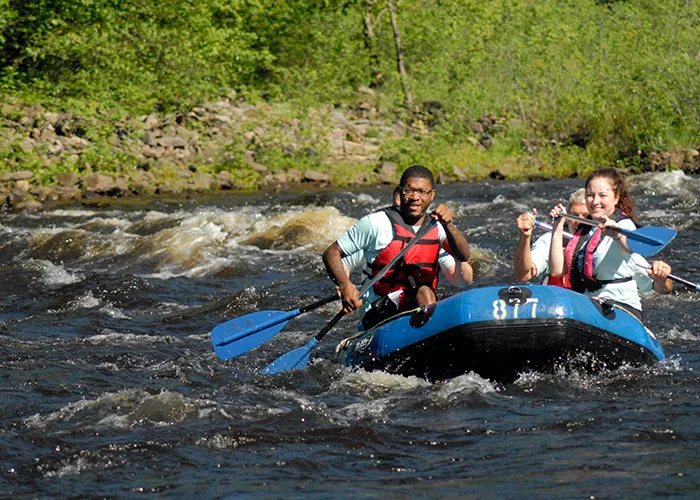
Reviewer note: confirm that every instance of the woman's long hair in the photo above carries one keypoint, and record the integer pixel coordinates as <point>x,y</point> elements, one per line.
<point>619,186</point>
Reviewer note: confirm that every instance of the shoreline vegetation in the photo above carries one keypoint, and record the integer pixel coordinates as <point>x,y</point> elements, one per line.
<point>152,100</point>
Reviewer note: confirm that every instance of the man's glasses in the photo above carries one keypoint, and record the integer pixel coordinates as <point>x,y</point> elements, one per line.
<point>409,191</point>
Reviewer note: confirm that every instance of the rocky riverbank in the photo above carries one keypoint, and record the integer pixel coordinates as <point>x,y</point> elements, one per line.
<point>49,157</point>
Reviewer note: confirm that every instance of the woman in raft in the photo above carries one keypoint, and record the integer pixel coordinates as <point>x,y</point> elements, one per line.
<point>597,260</point>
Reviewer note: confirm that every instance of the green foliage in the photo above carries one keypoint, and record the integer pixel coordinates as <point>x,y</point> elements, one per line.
<point>606,81</point>
<point>147,54</point>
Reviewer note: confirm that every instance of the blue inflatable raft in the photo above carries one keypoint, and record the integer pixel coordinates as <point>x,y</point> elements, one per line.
<point>499,332</point>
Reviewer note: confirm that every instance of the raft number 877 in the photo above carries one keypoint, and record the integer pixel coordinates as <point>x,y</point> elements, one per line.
<point>500,309</point>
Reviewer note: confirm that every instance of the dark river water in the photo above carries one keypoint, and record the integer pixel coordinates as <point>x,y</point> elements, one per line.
<point>110,386</point>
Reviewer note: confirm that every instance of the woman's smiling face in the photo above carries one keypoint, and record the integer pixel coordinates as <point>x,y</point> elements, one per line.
<point>600,198</point>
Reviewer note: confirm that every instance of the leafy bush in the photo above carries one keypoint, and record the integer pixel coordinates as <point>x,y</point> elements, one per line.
<point>609,81</point>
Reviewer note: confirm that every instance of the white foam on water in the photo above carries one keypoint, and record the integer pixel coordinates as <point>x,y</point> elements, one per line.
<point>63,212</point>
<point>312,229</point>
<point>463,386</point>
<point>110,337</point>
<point>126,409</point>
<point>676,333</point>
<point>366,199</point>
<point>87,301</point>
<point>209,268</point>
<point>114,312</point>
<point>672,182</point>
<point>378,381</point>
<point>111,223</point>
<point>54,275</point>
<point>115,422</point>
<point>225,442</point>
<point>375,408</point>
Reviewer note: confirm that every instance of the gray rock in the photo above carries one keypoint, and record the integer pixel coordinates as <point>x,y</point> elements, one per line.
<point>148,138</point>
<point>67,192</point>
<point>313,176</point>
<point>67,179</point>
<point>27,144</point>
<point>356,148</point>
<point>172,141</point>
<point>151,121</point>
<point>99,183</point>
<point>29,206</point>
<point>388,172</point>
<point>459,174</point>
<point>201,181</point>
<point>55,149</point>
<point>17,176</point>
<point>52,118</point>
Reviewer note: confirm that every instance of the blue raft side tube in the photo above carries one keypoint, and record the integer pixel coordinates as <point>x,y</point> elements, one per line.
<point>483,305</point>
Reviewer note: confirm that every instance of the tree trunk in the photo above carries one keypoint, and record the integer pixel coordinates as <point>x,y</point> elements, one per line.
<point>408,98</point>
<point>371,44</point>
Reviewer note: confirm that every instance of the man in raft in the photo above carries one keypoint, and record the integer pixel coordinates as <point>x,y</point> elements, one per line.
<point>459,274</point>
<point>382,235</point>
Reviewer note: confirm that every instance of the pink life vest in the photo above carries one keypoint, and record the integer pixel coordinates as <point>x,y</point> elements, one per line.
<point>582,278</point>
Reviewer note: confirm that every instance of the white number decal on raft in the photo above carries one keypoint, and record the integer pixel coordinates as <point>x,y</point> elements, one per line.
<point>501,312</point>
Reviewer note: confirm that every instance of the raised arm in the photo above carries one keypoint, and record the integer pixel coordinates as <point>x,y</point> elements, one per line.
<point>457,244</point>
<point>523,267</point>
<point>557,265</point>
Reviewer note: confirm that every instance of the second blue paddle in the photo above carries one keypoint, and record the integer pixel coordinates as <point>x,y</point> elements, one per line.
<point>646,241</point>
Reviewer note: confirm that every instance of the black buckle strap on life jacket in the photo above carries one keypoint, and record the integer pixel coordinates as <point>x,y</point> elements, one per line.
<point>591,286</point>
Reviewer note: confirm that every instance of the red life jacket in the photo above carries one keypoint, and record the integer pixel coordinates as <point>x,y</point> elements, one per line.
<point>582,278</point>
<point>418,267</point>
<point>562,281</point>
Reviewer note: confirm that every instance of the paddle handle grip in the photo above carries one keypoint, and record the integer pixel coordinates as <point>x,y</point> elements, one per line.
<point>684,282</point>
<point>549,228</point>
<point>676,279</point>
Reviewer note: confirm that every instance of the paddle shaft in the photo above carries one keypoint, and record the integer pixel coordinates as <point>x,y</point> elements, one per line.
<point>275,321</point>
<point>626,232</point>
<point>427,226</point>
<point>670,276</point>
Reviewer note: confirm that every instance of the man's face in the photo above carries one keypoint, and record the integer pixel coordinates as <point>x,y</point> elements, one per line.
<point>416,195</point>
<point>579,209</point>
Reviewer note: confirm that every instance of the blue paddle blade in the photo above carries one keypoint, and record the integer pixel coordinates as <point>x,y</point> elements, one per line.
<point>240,335</point>
<point>649,240</point>
<point>293,360</point>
